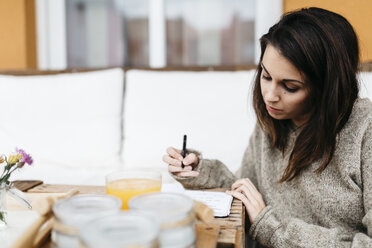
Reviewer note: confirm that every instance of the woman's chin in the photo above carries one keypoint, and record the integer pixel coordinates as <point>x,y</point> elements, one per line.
<point>277,116</point>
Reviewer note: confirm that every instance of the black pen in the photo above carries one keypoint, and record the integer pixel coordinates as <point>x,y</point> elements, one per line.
<point>184,149</point>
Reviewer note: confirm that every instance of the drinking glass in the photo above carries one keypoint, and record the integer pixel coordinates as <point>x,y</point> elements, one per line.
<point>125,184</point>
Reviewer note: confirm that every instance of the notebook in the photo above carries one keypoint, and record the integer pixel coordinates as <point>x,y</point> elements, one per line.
<point>220,202</point>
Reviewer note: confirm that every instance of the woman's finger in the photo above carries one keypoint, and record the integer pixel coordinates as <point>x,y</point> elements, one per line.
<point>254,197</point>
<point>175,153</point>
<point>250,183</point>
<point>171,161</point>
<point>239,196</point>
<point>238,183</point>
<point>190,159</point>
<point>245,191</point>
<point>187,174</point>
<point>245,201</point>
<point>174,169</point>
<point>253,206</point>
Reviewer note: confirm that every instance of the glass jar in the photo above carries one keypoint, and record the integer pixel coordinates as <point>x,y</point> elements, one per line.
<point>175,215</point>
<point>3,208</point>
<point>125,184</point>
<point>127,229</point>
<point>72,213</point>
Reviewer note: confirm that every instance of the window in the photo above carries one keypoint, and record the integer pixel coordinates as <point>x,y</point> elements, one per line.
<point>103,33</point>
<point>155,33</point>
<point>210,32</point>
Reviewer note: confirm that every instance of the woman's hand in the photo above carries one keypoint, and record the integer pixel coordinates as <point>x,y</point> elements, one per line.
<point>174,160</point>
<point>244,190</point>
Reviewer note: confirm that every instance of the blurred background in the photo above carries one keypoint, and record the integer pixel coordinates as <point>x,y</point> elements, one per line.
<point>67,34</point>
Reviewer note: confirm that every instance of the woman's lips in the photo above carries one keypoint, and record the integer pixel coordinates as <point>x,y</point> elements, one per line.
<point>273,110</point>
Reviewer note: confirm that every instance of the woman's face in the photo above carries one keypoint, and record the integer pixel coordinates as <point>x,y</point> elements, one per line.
<point>283,88</point>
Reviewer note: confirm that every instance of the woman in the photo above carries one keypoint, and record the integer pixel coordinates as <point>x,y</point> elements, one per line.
<point>306,176</point>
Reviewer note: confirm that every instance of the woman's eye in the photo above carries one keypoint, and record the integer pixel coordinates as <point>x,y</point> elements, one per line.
<point>266,77</point>
<point>290,89</point>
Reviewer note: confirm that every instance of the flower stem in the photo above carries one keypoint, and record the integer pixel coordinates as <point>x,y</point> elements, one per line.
<point>3,173</point>
<point>2,217</point>
<point>6,173</point>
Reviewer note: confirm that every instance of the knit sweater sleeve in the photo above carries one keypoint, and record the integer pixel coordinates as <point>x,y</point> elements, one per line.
<point>272,231</point>
<point>212,174</point>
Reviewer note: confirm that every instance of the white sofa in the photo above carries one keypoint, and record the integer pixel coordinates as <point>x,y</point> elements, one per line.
<point>69,123</point>
<point>80,126</point>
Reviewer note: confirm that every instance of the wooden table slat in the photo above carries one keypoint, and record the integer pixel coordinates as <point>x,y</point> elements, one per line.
<point>24,185</point>
<point>207,235</point>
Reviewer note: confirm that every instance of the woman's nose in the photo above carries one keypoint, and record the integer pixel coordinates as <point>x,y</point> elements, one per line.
<point>272,93</point>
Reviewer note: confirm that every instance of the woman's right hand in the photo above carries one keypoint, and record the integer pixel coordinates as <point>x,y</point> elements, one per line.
<point>174,160</point>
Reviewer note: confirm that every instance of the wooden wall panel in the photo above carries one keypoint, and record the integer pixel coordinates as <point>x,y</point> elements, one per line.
<point>31,59</point>
<point>17,34</point>
<point>357,12</point>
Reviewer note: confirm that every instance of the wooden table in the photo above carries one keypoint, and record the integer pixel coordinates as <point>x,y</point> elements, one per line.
<point>226,232</point>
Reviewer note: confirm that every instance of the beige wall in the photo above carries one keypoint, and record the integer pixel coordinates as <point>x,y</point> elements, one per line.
<point>17,34</point>
<point>358,13</point>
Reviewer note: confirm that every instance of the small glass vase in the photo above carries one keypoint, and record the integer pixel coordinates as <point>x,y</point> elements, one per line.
<point>3,208</point>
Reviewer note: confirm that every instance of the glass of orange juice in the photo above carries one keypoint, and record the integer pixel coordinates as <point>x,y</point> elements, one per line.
<point>125,184</point>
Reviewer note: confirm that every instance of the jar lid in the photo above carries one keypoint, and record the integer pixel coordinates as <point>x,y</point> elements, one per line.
<point>77,210</point>
<point>125,229</point>
<point>167,207</point>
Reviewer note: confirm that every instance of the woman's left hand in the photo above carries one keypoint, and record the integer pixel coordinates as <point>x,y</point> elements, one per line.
<point>244,190</point>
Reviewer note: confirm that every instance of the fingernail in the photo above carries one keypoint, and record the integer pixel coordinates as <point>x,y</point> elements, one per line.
<point>188,168</point>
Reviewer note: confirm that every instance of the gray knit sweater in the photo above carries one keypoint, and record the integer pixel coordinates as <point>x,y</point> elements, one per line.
<point>331,209</point>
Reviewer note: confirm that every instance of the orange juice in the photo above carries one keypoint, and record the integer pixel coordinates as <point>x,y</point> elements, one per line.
<point>127,188</point>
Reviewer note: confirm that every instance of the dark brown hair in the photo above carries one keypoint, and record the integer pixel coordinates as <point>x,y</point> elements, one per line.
<point>323,46</point>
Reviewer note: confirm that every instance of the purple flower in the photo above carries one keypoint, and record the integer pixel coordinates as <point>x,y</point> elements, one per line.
<point>25,157</point>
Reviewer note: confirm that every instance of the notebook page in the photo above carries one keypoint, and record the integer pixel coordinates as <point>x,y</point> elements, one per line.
<point>220,202</point>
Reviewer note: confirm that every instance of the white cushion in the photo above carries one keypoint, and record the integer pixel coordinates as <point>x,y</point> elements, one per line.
<point>64,121</point>
<point>212,108</point>
<point>365,79</point>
